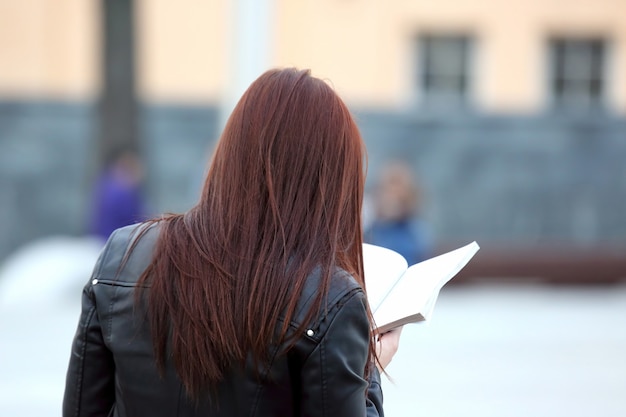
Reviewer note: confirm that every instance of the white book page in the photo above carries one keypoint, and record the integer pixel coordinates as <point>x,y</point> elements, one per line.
<point>415,294</point>
<point>383,268</point>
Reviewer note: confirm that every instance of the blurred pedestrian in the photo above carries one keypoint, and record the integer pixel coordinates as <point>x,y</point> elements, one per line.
<point>118,198</point>
<point>396,221</point>
<point>251,303</point>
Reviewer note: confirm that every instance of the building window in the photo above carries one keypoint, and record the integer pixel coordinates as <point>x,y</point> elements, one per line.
<point>444,76</point>
<point>577,79</point>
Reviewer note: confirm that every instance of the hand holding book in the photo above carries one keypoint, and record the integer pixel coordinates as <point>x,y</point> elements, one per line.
<point>386,347</point>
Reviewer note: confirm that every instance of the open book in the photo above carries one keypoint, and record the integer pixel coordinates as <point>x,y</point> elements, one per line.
<point>399,294</point>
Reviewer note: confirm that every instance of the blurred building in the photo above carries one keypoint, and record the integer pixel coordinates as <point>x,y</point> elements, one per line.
<point>513,114</point>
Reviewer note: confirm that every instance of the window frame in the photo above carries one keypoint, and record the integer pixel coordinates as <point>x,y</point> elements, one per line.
<point>557,47</point>
<point>425,75</point>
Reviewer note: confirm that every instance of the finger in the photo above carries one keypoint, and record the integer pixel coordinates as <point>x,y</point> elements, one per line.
<point>395,333</point>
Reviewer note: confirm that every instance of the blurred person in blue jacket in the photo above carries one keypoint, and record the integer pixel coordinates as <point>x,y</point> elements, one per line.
<point>396,223</point>
<point>118,198</point>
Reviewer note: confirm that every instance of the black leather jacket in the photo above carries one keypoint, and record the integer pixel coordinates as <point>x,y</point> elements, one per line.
<point>112,370</point>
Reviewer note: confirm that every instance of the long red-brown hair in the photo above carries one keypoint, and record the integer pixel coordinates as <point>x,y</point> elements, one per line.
<point>282,197</point>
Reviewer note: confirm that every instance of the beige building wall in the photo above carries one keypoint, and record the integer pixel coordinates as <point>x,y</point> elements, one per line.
<point>364,47</point>
<point>49,48</point>
<point>182,49</point>
<point>515,49</point>
<point>367,47</point>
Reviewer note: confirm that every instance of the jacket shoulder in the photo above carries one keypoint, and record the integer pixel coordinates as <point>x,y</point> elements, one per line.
<point>117,262</point>
<point>342,287</point>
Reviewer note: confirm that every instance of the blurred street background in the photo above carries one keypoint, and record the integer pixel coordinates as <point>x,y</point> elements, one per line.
<point>500,122</point>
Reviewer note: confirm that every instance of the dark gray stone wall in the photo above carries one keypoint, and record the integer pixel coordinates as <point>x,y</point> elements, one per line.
<point>542,179</point>
<point>177,144</point>
<point>48,163</point>
<point>505,179</point>
<point>44,163</point>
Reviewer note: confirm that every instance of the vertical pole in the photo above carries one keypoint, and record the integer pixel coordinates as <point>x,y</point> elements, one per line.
<point>118,109</point>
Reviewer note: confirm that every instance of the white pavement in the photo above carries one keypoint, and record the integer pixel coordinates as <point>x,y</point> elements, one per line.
<point>489,351</point>
<point>514,351</point>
